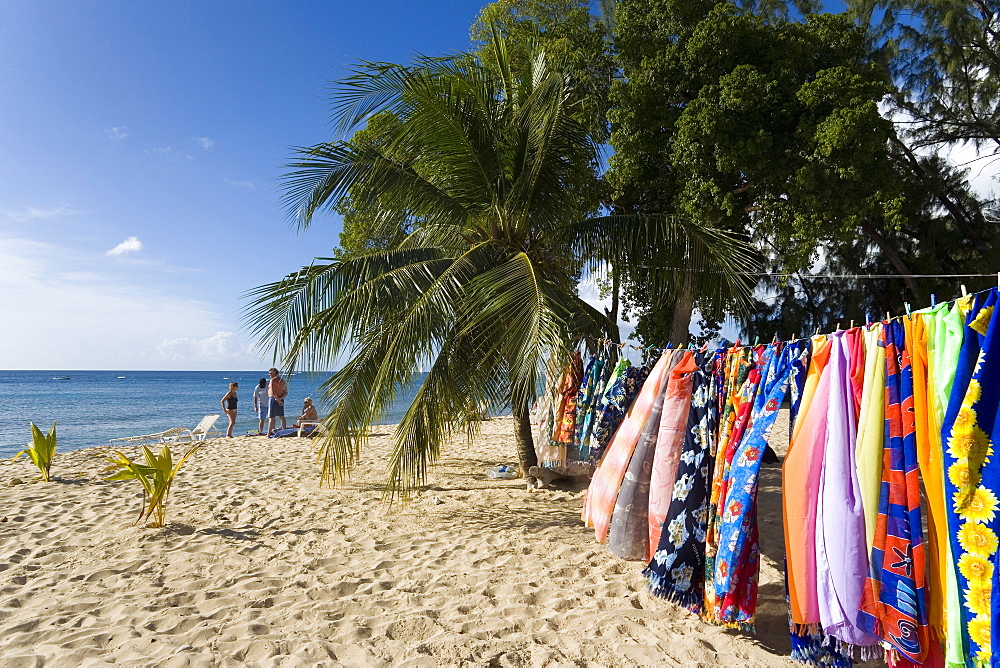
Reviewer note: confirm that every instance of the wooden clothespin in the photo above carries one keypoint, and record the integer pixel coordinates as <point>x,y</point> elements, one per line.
<point>838,327</point>
<point>964,291</point>
<point>775,339</point>
<point>852,325</point>
<point>817,331</point>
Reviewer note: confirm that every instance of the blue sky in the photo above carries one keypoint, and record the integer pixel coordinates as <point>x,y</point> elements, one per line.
<point>140,149</point>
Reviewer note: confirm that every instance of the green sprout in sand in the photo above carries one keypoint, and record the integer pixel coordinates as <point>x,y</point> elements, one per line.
<point>156,476</point>
<point>41,450</point>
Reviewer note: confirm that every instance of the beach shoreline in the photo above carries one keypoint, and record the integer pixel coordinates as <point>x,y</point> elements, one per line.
<point>259,566</point>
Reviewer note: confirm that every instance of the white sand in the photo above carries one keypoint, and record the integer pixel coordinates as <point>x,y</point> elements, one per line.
<point>259,566</point>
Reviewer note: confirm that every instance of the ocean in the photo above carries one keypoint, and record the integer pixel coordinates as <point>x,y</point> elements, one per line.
<point>92,407</point>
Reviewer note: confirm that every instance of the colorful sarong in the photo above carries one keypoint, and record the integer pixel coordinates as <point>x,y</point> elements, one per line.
<point>800,475</point>
<point>669,443</point>
<point>590,392</point>
<point>894,604</point>
<point>738,363</point>
<point>628,537</point>
<point>841,552</point>
<point>564,432</point>
<point>604,486</point>
<point>737,562</point>
<point>620,397</point>
<point>945,329</point>
<point>973,480</point>
<point>677,569</point>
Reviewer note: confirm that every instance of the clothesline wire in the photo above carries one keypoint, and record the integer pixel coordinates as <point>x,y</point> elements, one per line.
<point>820,276</point>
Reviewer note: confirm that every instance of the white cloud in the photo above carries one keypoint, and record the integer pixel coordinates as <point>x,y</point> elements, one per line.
<point>168,153</point>
<point>240,184</point>
<point>29,213</point>
<point>219,346</point>
<point>117,133</point>
<point>205,142</point>
<point>130,245</point>
<point>74,313</point>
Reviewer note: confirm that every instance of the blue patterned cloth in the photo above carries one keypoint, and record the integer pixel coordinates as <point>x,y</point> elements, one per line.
<point>737,560</point>
<point>677,570</point>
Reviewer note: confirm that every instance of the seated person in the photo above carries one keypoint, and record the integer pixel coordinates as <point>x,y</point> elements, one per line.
<point>308,414</point>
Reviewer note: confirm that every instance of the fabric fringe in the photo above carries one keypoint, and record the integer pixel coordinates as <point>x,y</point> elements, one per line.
<point>661,588</point>
<point>856,652</point>
<point>807,629</point>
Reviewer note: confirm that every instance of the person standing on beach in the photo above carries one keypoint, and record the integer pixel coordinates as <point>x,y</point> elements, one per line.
<point>229,406</point>
<point>277,390</point>
<point>260,401</point>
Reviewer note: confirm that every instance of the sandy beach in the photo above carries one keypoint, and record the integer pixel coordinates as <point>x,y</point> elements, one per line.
<point>259,566</point>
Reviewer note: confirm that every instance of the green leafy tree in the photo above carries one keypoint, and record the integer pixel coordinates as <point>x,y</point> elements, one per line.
<point>753,124</point>
<point>946,57</point>
<point>487,159</point>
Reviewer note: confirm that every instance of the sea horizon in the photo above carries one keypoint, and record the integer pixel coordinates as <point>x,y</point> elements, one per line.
<point>92,406</point>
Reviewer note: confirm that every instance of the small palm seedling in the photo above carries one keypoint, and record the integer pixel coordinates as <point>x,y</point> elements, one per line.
<point>41,450</point>
<point>156,476</point>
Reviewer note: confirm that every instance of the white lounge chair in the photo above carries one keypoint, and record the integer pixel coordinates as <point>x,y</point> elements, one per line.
<point>147,439</point>
<point>303,424</point>
<point>203,430</point>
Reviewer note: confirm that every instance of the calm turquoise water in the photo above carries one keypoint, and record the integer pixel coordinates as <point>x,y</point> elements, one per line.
<point>94,406</point>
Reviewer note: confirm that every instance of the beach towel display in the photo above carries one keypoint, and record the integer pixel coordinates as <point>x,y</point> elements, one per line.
<point>887,422</point>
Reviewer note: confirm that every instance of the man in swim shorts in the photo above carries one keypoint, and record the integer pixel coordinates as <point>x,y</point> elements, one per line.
<point>277,390</point>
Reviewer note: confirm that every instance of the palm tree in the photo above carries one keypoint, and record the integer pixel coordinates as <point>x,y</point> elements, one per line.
<point>486,157</point>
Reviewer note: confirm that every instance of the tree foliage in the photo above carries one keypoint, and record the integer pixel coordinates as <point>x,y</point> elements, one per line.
<point>768,128</point>
<point>485,155</point>
<point>945,55</point>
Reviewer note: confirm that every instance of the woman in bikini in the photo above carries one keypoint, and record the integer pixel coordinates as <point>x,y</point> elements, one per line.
<point>229,406</point>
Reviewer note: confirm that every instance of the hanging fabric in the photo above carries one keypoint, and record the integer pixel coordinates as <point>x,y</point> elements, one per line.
<point>738,365</point>
<point>973,481</point>
<point>590,391</point>
<point>603,490</point>
<point>894,606</point>
<point>670,437</point>
<point>564,428</point>
<point>677,569</point>
<point>945,337</point>
<point>800,486</point>
<point>620,398</point>
<point>841,550</point>
<point>738,557</point>
<point>628,537</point>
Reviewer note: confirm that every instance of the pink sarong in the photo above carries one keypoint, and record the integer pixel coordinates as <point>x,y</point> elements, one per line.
<point>603,490</point>
<point>669,443</point>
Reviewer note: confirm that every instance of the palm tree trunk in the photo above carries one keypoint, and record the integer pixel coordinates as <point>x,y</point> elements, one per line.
<point>680,323</point>
<point>525,443</point>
